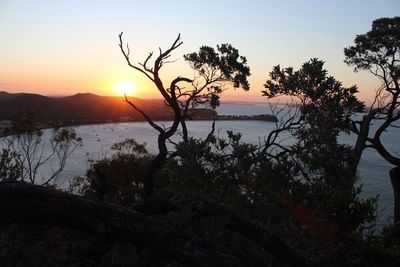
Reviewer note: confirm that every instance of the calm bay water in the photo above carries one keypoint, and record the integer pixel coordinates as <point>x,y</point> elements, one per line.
<point>97,140</point>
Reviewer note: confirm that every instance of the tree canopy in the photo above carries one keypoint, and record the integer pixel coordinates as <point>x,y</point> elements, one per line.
<point>378,51</point>
<point>321,98</point>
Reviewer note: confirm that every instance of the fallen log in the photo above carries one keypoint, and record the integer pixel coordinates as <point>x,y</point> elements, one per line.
<point>26,203</point>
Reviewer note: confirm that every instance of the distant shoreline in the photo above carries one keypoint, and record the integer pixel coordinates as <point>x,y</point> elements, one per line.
<point>76,123</point>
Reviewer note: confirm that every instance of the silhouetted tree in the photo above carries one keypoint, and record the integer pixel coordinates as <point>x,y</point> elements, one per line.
<point>324,106</point>
<point>117,178</point>
<point>213,68</point>
<point>378,51</point>
<point>10,168</point>
<point>324,109</point>
<point>31,151</point>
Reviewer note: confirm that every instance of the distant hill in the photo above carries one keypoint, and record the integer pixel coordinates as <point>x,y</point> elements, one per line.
<point>79,108</point>
<point>89,108</point>
<point>5,95</point>
<point>13,103</point>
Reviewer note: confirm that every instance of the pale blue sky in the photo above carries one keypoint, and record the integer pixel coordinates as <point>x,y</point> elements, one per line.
<point>64,47</point>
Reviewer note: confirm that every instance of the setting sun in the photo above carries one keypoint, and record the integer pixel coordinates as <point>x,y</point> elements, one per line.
<point>124,87</point>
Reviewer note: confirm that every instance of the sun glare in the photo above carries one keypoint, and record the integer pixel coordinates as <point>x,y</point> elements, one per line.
<point>124,87</point>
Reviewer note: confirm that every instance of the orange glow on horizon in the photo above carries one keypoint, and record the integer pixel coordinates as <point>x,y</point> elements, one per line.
<point>124,87</point>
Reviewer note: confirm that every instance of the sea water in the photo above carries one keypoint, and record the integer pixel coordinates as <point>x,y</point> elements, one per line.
<point>98,139</point>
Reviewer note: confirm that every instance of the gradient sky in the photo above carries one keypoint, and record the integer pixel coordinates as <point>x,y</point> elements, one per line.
<point>65,47</point>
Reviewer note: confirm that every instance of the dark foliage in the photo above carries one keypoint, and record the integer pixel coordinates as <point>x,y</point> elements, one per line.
<point>269,205</point>
<point>119,178</point>
<point>10,168</point>
<point>378,51</point>
<point>322,165</point>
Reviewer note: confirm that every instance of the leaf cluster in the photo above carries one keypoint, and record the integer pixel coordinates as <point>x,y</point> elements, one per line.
<point>118,178</point>
<point>223,64</point>
<point>323,101</point>
<point>10,168</point>
<point>377,47</point>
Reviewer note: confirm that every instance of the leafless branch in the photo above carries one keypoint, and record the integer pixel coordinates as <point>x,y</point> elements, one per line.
<point>144,65</point>
<point>126,55</point>
<point>148,119</point>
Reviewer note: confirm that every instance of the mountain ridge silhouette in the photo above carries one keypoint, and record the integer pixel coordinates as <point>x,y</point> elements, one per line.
<point>79,107</point>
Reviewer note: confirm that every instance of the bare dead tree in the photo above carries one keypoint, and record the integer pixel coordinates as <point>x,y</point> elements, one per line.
<point>213,68</point>
<point>170,97</point>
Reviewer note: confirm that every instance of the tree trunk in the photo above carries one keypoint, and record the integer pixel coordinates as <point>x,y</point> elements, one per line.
<point>185,134</point>
<point>155,165</point>
<point>360,142</point>
<point>395,179</point>
<point>26,203</point>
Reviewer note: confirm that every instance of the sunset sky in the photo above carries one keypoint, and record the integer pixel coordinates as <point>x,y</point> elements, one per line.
<point>59,47</point>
